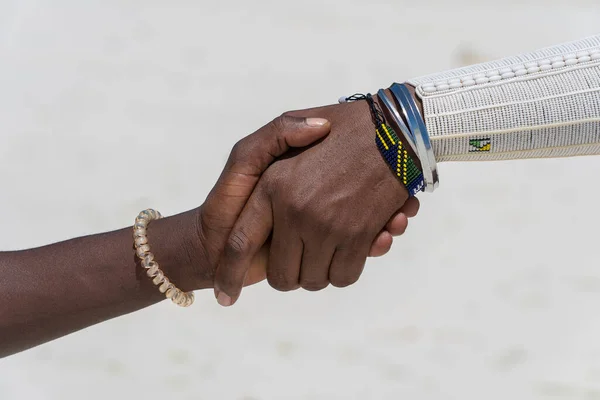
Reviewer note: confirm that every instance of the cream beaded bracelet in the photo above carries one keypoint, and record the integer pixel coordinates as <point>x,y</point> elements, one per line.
<point>142,250</point>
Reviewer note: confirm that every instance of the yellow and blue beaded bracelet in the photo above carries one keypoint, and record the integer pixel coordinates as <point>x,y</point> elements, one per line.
<point>397,157</point>
<point>392,148</point>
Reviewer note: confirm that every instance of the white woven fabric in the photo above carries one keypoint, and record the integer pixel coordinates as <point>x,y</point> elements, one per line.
<point>552,110</point>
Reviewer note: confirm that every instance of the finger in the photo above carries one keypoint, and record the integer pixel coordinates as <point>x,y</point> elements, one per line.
<point>258,271</point>
<point>285,257</point>
<point>247,237</point>
<point>411,207</point>
<point>381,245</point>
<point>314,270</point>
<point>397,225</point>
<point>347,265</point>
<point>252,155</point>
<point>249,158</point>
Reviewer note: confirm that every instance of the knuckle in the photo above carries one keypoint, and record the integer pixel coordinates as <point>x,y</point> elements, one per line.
<point>346,274</point>
<point>279,123</point>
<point>342,233</point>
<point>344,280</point>
<point>284,122</point>
<point>238,245</point>
<point>313,286</point>
<point>295,210</point>
<point>281,283</point>
<point>238,150</point>
<point>246,157</point>
<point>300,210</point>
<point>355,232</point>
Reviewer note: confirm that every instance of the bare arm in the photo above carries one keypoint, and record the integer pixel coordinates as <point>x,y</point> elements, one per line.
<point>54,290</point>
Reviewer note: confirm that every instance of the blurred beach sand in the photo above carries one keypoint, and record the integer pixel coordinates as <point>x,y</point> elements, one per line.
<point>493,293</point>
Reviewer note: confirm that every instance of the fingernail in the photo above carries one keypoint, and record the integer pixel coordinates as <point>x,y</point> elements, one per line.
<point>316,121</point>
<point>223,299</point>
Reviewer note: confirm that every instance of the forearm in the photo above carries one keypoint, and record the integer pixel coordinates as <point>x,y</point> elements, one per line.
<point>54,290</point>
<point>542,104</point>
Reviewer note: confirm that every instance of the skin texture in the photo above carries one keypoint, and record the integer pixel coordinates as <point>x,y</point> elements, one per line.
<point>54,290</point>
<point>381,245</point>
<point>51,291</point>
<point>321,209</point>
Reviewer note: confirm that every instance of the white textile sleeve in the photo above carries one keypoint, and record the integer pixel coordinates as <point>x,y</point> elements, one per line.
<point>541,104</point>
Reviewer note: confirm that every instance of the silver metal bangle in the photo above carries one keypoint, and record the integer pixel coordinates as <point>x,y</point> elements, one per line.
<point>408,135</point>
<point>419,130</point>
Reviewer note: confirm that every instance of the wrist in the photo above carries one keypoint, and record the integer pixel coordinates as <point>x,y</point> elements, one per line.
<point>364,139</point>
<point>179,250</point>
<point>391,121</point>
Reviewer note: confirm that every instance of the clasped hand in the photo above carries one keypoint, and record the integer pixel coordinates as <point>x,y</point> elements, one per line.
<point>302,202</point>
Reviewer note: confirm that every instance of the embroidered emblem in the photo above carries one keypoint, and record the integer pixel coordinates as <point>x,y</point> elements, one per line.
<point>481,144</point>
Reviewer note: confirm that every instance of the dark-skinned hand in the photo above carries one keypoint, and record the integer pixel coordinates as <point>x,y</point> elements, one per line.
<point>322,209</point>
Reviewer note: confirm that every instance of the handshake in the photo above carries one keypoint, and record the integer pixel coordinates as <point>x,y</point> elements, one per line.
<point>302,202</point>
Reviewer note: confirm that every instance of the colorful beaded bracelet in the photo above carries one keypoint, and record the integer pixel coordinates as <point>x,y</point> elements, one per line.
<point>142,250</point>
<point>395,154</point>
<point>408,135</point>
<point>392,148</point>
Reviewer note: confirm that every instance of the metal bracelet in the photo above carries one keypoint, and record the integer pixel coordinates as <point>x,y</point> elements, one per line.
<point>408,135</point>
<point>419,130</point>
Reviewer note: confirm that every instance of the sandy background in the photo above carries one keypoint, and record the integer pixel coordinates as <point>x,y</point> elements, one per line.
<point>494,293</point>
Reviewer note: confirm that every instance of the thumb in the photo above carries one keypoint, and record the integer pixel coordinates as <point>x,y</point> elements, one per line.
<point>248,160</point>
<point>252,155</point>
<point>300,132</point>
